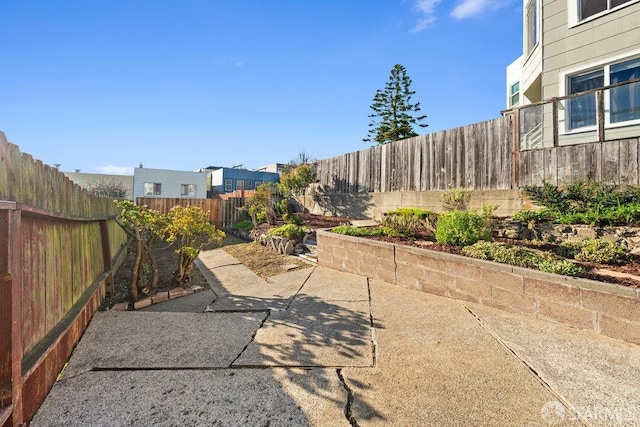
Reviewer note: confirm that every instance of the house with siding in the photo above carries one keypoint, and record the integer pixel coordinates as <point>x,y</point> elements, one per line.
<point>148,182</point>
<point>226,180</point>
<point>571,47</point>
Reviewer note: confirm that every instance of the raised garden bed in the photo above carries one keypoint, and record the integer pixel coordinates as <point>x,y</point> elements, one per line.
<point>606,308</point>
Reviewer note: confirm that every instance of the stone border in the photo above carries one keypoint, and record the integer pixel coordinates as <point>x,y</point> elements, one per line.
<point>605,308</point>
<point>159,297</point>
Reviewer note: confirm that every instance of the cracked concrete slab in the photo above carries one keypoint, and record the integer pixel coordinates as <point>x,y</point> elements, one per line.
<point>194,303</point>
<point>128,339</point>
<point>597,375</point>
<point>239,289</point>
<point>436,366</point>
<point>332,285</point>
<point>327,324</point>
<point>313,333</point>
<point>229,397</point>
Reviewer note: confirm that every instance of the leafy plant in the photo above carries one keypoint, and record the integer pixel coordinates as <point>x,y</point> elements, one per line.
<point>462,228</point>
<point>350,230</point>
<point>419,212</point>
<point>563,267</point>
<point>290,231</point>
<point>297,179</point>
<point>400,225</point>
<point>261,205</point>
<point>597,250</point>
<point>143,226</point>
<point>523,257</point>
<point>290,218</point>
<point>190,226</point>
<point>243,225</point>
<point>455,199</point>
<point>591,202</point>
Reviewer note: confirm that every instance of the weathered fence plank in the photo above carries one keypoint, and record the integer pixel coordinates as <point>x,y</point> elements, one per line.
<point>54,279</point>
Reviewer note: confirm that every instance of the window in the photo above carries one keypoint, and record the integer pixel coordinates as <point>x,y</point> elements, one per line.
<point>249,184</point>
<point>515,94</point>
<point>152,189</point>
<point>622,104</point>
<point>625,100</point>
<point>188,190</point>
<point>532,25</point>
<point>588,8</point>
<point>228,185</point>
<point>582,109</point>
<point>258,183</point>
<point>239,184</point>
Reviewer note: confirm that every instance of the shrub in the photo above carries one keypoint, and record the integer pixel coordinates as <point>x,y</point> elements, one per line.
<point>563,267</point>
<point>290,231</point>
<point>591,202</point>
<point>419,212</point>
<point>244,225</point>
<point>350,230</point>
<point>405,225</point>
<point>462,228</point>
<point>455,199</point>
<point>523,257</point>
<point>290,218</point>
<point>534,216</point>
<point>597,250</point>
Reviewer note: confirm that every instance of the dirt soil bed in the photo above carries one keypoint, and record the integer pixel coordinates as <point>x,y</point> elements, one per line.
<point>427,241</point>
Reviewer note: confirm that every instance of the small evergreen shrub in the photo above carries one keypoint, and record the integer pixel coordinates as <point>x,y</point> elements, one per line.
<point>291,218</point>
<point>455,199</point>
<point>404,225</point>
<point>523,257</point>
<point>533,216</point>
<point>244,225</point>
<point>290,231</point>
<point>350,230</point>
<point>419,212</point>
<point>462,228</point>
<point>597,250</point>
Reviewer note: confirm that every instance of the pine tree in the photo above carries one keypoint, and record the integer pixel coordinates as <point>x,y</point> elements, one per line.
<point>392,106</point>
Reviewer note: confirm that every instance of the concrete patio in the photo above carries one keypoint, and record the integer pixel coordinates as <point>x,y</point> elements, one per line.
<point>325,348</point>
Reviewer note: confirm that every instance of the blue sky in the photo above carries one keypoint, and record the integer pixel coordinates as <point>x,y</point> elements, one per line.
<point>104,85</point>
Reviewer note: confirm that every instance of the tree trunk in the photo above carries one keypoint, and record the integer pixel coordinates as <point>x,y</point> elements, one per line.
<point>133,284</point>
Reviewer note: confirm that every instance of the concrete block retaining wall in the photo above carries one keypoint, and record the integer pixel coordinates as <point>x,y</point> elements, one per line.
<point>605,308</point>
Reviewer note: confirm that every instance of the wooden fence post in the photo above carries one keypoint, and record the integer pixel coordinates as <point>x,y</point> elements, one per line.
<point>600,112</point>
<point>106,255</point>
<point>6,319</point>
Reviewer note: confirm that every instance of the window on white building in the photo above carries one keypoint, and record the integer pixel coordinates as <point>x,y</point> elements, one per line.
<point>514,98</point>
<point>188,190</point>
<point>152,189</point>
<point>228,185</point>
<point>622,104</point>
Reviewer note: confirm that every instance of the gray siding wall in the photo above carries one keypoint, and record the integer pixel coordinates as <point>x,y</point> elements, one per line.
<point>171,182</point>
<point>591,43</point>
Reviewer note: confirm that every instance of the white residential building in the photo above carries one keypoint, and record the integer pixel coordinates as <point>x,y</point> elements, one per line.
<point>166,183</point>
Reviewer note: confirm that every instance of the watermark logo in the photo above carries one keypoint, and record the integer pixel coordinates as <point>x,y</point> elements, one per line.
<point>555,413</point>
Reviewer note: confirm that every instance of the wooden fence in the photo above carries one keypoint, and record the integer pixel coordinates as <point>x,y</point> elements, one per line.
<point>59,247</point>
<point>478,156</point>
<point>611,161</point>
<point>223,212</point>
<point>482,156</point>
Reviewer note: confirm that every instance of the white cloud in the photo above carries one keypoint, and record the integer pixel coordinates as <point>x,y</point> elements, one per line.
<point>469,8</point>
<point>114,170</point>
<point>426,10</point>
